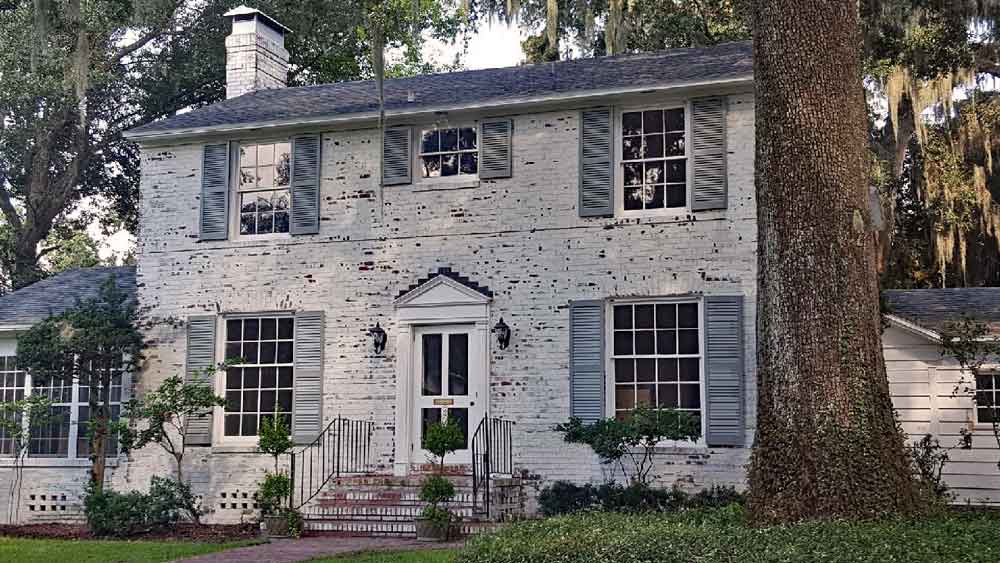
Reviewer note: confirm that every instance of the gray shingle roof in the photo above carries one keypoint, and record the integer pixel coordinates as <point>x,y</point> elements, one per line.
<point>61,292</point>
<point>932,308</point>
<point>677,67</point>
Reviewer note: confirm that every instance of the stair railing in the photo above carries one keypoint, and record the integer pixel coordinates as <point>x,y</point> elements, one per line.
<point>492,455</point>
<point>342,448</point>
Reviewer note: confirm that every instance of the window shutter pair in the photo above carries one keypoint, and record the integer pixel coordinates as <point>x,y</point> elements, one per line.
<point>708,158</point>
<point>218,160</point>
<point>723,379</point>
<point>307,402</point>
<point>495,152</point>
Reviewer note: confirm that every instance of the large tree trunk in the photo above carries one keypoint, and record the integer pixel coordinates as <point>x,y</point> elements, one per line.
<point>827,444</point>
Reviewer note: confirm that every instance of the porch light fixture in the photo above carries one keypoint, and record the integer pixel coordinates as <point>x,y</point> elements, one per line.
<point>503,334</point>
<point>379,338</point>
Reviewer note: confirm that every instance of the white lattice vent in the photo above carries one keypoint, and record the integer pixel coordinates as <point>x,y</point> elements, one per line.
<point>48,502</point>
<point>237,499</point>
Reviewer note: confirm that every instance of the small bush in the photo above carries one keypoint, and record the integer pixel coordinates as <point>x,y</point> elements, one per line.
<point>110,513</point>
<point>273,492</point>
<point>565,498</point>
<point>722,535</point>
<point>436,489</point>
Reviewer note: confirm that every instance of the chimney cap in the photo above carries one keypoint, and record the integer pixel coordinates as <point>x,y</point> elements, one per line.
<point>248,12</point>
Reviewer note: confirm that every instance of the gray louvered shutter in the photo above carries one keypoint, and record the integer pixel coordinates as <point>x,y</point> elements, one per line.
<point>586,360</point>
<point>305,184</point>
<point>307,409</point>
<point>200,357</point>
<point>495,149</point>
<point>396,158</point>
<point>724,370</point>
<point>215,166</point>
<point>596,163</point>
<point>708,153</point>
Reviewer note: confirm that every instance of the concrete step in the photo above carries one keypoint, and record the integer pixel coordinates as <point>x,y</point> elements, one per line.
<point>367,528</point>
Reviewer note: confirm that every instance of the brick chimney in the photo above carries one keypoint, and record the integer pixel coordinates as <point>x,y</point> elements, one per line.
<point>256,58</point>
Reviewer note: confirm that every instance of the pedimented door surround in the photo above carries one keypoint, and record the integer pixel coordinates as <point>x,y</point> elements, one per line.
<point>443,299</point>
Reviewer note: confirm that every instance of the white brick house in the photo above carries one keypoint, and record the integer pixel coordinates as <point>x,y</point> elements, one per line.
<point>602,208</point>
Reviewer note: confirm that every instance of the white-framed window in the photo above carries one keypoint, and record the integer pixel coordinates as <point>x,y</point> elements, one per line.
<point>261,384</point>
<point>656,359</point>
<point>653,158</point>
<point>65,435</point>
<point>263,198</point>
<point>449,151</point>
<point>988,397</point>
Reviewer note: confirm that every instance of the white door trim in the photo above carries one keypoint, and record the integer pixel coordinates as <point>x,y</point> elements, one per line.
<point>440,301</point>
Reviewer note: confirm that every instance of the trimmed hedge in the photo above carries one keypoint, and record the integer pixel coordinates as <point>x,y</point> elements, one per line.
<point>563,497</point>
<point>721,535</point>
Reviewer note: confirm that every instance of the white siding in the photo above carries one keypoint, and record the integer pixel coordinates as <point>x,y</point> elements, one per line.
<point>927,391</point>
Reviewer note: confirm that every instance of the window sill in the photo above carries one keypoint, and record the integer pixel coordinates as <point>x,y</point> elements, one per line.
<point>55,462</point>
<point>236,449</point>
<point>262,238</point>
<point>445,184</point>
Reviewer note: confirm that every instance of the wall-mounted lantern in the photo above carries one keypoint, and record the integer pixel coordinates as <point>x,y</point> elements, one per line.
<point>503,334</point>
<point>379,338</point>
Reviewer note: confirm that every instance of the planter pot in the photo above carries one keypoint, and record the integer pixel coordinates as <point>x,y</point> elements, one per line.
<point>274,526</point>
<point>430,530</point>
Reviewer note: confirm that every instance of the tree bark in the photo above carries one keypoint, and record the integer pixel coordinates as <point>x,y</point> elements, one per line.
<point>827,443</point>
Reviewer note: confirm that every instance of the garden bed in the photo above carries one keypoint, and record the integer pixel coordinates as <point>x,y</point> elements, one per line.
<point>216,533</point>
<point>722,536</point>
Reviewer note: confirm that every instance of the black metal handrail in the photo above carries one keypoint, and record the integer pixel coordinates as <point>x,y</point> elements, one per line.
<point>492,455</point>
<point>342,448</point>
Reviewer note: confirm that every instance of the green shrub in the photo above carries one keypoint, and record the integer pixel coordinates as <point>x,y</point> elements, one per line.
<point>273,492</point>
<point>443,439</point>
<point>110,513</point>
<point>436,489</point>
<point>563,497</point>
<point>722,536</point>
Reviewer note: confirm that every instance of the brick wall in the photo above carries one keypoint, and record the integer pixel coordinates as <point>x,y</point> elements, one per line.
<point>521,236</point>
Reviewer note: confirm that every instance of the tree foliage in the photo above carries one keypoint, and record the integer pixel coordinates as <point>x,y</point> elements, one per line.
<point>92,344</point>
<point>162,416</point>
<point>75,74</point>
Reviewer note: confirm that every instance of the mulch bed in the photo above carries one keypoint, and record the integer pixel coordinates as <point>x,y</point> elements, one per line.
<point>206,533</point>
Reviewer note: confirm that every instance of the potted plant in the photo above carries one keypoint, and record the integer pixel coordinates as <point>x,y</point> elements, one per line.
<point>277,518</point>
<point>435,521</point>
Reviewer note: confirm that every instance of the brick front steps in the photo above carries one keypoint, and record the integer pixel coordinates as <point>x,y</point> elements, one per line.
<point>382,505</point>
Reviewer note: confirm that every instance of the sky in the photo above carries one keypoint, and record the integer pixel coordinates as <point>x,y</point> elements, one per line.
<point>495,45</point>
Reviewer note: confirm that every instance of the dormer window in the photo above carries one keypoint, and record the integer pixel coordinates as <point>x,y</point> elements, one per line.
<point>449,152</point>
<point>264,196</point>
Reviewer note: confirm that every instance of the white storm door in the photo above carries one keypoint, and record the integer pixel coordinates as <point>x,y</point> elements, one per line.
<point>450,384</point>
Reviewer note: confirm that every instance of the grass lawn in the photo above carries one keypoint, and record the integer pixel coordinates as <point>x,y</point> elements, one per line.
<point>81,551</point>
<point>426,556</point>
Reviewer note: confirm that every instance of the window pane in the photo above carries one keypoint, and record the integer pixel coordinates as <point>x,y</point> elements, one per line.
<point>232,425</point>
<point>468,138</point>
<point>676,196</point>
<point>674,119</point>
<point>268,377</point>
<point>470,163</point>
<point>283,161</point>
<point>631,148</point>
<point>427,418</point>
<point>268,352</point>
<point>234,329</point>
<point>285,353</point>
<point>251,378</point>
<point>458,364</point>
<point>656,201</point>
<point>248,155</point>
<point>645,370</point>
<point>268,329</point>
<point>265,176</point>
<point>623,316</point>
<point>449,139</point>
<point>248,203</point>
<point>432,364</point>
<point>432,166</point>
<point>984,381</point>
<point>667,397</point>
<point>666,342</point>
<point>690,396</point>
<point>690,369</point>
<point>234,378</point>
<point>645,395</point>
<point>633,174</point>
<point>644,316</point>
<point>666,370</point>
<point>461,418</point>
<point>265,223</point>
<point>652,121</point>
<point>687,342</point>
<point>430,141</point>
<point>633,199</point>
<point>645,342</point>
<point>666,316</point>
<point>675,171</point>
<point>624,397</point>
<point>248,224</point>
<point>248,178</point>
<point>285,328</point>
<point>623,343</point>
<point>265,155</point>
<point>654,173</point>
<point>631,123</point>
<point>449,164</point>
<point>233,401</point>
<point>653,146</point>
<point>687,315</point>
<point>624,371</point>
<point>674,145</point>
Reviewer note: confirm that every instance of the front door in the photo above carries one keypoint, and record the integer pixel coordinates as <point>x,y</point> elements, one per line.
<point>450,385</point>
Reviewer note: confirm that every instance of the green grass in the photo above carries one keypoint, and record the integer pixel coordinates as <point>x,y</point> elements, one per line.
<point>722,536</point>
<point>424,556</point>
<point>85,551</point>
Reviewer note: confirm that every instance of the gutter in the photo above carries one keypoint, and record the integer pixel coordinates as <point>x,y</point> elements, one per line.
<point>913,328</point>
<point>398,115</point>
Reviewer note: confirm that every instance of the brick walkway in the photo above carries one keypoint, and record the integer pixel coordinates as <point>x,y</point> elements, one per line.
<point>290,551</point>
